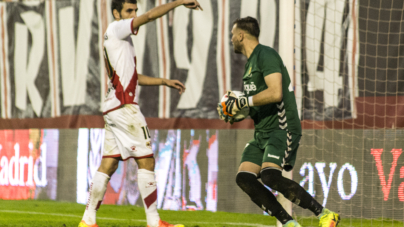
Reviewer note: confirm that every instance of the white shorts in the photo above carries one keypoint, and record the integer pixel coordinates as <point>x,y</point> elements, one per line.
<point>126,134</point>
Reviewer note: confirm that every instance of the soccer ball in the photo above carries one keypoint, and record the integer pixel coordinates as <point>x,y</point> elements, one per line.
<point>243,113</point>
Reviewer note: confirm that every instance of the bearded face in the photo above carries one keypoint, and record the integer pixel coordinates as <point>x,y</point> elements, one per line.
<point>237,46</point>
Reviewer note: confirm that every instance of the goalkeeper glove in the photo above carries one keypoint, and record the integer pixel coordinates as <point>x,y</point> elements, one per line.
<point>223,116</point>
<point>234,104</point>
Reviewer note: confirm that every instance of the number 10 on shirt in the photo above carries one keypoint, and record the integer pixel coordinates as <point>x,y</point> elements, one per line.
<point>146,132</point>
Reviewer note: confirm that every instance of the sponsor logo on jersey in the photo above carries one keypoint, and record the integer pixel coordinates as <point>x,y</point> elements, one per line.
<point>133,148</point>
<point>273,156</point>
<point>105,37</point>
<point>250,87</point>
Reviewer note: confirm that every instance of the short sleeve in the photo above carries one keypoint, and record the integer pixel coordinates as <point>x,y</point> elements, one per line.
<point>269,62</point>
<point>123,28</point>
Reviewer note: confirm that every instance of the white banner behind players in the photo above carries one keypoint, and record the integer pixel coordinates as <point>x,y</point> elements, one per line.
<point>51,57</point>
<point>51,62</point>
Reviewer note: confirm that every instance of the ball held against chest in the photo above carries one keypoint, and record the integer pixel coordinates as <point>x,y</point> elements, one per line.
<point>243,113</point>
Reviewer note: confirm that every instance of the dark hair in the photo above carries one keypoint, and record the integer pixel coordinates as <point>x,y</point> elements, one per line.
<point>248,24</point>
<point>118,5</point>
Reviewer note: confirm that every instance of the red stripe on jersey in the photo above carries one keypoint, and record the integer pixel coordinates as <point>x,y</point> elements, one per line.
<point>125,96</point>
<point>106,112</point>
<point>150,199</point>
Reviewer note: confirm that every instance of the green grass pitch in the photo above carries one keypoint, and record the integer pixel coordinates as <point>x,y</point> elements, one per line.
<point>52,214</point>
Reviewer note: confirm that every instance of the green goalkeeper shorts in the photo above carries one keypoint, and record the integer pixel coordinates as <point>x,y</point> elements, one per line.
<point>278,147</point>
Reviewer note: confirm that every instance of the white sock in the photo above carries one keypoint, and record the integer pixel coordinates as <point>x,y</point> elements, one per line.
<point>97,192</point>
<point>148,191</point>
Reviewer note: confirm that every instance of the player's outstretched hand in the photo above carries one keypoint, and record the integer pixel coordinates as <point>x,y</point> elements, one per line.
<point>176,84</point>
<point>234,104</point>
<point>192,4</point>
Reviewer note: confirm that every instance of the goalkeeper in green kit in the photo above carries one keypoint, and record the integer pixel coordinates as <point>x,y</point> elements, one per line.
<point>270,97</point>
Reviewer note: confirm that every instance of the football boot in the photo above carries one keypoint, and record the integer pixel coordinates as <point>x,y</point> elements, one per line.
<point>328,218</point>
<point>166,224</point>
<point>83,224</point>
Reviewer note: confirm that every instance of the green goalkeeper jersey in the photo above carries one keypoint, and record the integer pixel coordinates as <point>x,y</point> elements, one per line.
<point>283,115</point>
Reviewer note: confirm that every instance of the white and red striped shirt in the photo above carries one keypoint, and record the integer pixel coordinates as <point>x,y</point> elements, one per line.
<point>120,61</point>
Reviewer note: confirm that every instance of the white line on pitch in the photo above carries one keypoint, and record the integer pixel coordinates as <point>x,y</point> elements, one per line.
<point>138,220</point>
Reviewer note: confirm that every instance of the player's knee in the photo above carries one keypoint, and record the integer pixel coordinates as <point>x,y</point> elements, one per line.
<point>272,177</point>
<point>146,163</point>
<point>109,170</point>
<point>108,166</point>
<point>244,179</point>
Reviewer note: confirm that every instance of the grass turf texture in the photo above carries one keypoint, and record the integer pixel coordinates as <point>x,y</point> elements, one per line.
<point>51,213</point>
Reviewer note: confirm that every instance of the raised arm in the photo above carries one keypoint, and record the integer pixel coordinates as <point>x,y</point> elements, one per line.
<point>162,10</point>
